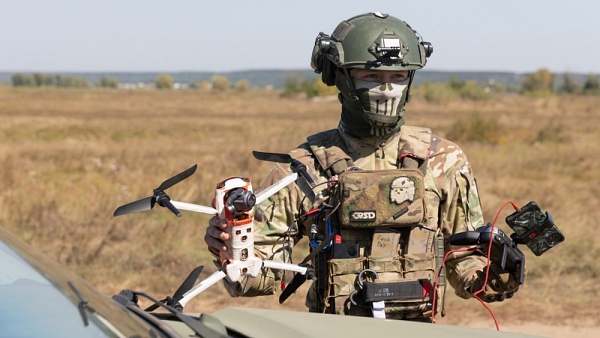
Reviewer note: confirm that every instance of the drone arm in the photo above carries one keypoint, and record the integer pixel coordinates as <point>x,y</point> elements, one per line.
<point>164,201</point>
<point>205,284</point>
<point>172,208</point>
<point>299,167</point>
<point>270,191</point>
<point>194,207</point>
<point>285,266</point>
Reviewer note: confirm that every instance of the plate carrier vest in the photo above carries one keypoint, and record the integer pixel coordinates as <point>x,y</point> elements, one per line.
<point>370,263</point>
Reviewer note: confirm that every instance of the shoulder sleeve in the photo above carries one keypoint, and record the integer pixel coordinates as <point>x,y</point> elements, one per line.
<point>460,207</point>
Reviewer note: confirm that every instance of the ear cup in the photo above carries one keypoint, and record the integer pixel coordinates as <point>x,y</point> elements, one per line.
<point>428,47</point>
<point>316,60</point>
<point>327,71</point>
<point>319,60</point>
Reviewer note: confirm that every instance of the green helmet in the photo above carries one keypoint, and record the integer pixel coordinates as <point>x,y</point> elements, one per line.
<point>372,41</point>
<point>369,41</point>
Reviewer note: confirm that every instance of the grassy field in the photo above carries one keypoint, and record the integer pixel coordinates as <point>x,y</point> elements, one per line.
<point>71,157</point>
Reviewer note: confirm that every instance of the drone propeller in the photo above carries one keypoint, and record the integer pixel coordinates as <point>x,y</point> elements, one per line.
<point>177,178</point>
<point>273,157</point>
<point>310,273</point>
<point>144,204</point>
<point>304,181</point>
<point>187,285</point>
<point>147,203</point>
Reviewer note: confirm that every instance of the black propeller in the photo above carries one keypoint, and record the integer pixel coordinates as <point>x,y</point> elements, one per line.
<point>159,196</point>
<point>272,157</point>
<point>299,279</point>
<point>304,181</point>
<point>297,282</point>
<point>186,286</point>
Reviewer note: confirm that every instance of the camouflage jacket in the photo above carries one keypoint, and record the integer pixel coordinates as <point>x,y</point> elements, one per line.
<point>452,201</point>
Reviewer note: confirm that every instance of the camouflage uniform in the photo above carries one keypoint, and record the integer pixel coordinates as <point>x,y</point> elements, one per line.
<point>451,195</point>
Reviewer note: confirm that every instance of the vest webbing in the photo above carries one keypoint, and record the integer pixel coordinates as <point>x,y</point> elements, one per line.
<point>413,150</point>
<point>327,147</point>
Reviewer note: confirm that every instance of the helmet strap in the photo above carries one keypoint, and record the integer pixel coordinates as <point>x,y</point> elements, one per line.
<point>350,85</point>
<point>411,75</point>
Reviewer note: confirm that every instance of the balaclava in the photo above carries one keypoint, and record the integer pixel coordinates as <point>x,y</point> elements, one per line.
<point>371,108</point>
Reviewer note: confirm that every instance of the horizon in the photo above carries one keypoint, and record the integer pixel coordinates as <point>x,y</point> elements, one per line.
<point>424,70</point>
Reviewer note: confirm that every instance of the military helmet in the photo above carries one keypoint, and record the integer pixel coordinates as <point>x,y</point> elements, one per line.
<point>369,41</point>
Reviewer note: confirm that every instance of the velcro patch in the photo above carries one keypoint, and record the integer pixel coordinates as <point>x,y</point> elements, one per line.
<point>363,215</point>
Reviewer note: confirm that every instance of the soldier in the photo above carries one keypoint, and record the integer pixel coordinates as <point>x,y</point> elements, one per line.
<point>390,194</point>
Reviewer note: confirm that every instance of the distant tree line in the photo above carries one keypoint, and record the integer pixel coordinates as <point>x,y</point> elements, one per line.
<point>590,86</point>
<point>221,83</point>
<point>58,80</point>
<point>539,83</point>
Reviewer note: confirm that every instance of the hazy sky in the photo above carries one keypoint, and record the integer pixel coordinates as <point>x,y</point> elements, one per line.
<point>186,35</point>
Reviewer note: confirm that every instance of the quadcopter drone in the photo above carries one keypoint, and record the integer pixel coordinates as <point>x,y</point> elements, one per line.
<point>234,200</point>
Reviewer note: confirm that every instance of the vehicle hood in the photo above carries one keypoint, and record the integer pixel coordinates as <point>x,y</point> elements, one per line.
<point>275,323</point>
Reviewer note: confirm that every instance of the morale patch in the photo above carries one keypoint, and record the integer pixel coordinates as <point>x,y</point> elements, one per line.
<point>363,216</point>
<point>402,189</point>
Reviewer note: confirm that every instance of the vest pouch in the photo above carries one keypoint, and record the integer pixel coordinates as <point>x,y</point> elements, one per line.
<point>419,266</point>
<point>343,274</point>
<point>381,198</point>
<point>389,269</point>
<point>407,276</point>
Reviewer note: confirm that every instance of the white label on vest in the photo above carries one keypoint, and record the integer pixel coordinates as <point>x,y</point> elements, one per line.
<point>363,216</point>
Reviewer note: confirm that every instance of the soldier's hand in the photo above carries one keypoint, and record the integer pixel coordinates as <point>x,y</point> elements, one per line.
<point>216,234</point>
<point>500,285</point>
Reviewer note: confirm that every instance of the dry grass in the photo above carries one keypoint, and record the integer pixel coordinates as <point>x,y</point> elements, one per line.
<point>70,157</point>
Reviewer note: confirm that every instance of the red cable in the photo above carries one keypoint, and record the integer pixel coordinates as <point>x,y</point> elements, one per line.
<point>487,270</point>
